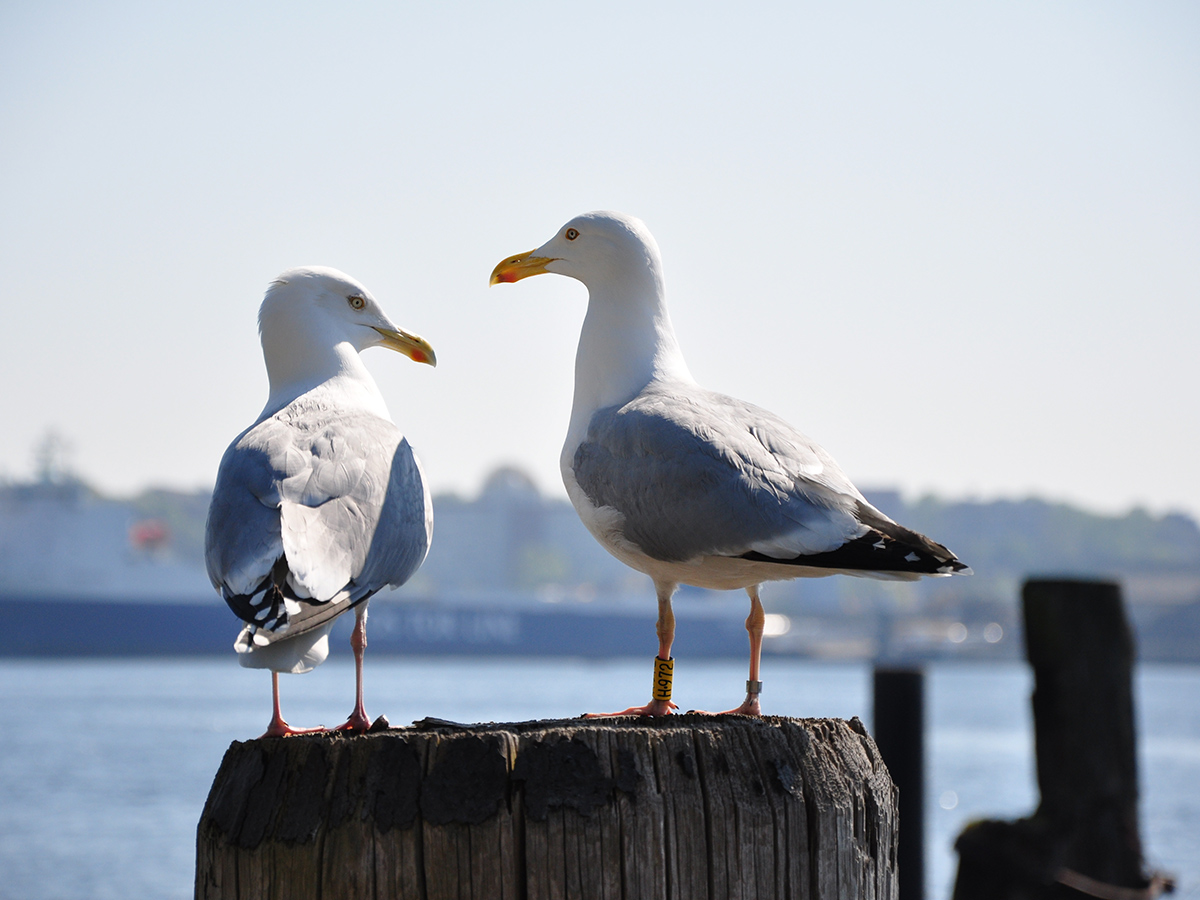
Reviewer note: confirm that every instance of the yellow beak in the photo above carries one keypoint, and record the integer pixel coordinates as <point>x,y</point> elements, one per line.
<point>413,346</point>
<point>520,266</point>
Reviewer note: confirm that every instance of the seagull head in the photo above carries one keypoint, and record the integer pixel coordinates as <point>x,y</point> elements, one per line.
<point>595,248</point>
<point>316,307</point>
<point>627,339</point>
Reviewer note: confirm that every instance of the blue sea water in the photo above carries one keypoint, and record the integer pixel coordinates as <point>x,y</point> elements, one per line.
<point>105,765</point>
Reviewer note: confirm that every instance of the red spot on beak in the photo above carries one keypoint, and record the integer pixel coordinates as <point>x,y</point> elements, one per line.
<point>418,356</point>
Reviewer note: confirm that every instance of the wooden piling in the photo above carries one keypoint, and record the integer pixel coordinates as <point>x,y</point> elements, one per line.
<point>1084,833</point>
<point>899,730</point>
<point>686,807</point>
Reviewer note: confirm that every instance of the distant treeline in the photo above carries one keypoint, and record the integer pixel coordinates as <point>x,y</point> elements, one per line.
<point>1009,536</point>
<point>1035,535</point>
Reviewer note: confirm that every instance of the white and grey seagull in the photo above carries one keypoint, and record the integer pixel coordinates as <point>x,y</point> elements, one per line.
<point>687,485</point>
<point>321,502</point>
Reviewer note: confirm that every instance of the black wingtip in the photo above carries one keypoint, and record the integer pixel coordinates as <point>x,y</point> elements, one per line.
<point>886,548</point>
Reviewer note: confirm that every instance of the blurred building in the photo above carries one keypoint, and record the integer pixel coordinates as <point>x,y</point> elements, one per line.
<point>512,566</point>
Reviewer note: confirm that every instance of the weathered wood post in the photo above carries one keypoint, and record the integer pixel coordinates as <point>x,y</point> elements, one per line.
<point>686,807</point>
<point>1084,833</point>
<point>899,729</point>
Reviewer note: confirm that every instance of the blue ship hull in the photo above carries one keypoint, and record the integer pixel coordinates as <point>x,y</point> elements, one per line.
<point>63,627</point>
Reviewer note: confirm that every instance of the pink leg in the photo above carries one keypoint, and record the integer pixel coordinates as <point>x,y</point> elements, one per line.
<point>666,637</point>
<point>358,720</point>
<point>754,625</point>
<point>278,727</point>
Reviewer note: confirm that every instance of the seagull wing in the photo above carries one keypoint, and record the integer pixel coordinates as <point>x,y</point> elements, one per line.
<point>694,473</point>
<point>312,513</point>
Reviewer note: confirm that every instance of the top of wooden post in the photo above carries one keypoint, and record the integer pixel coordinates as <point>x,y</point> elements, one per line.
<point>687,806</point>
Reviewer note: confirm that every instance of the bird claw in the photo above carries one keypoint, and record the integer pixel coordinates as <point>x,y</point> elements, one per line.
<point>653,708</point>
<point>358,721</point>
<point>280,728</point>
<point>750,707</point>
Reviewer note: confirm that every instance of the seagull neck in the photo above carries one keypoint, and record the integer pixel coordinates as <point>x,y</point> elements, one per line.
<point>297,372</point>
<point>627,342</point>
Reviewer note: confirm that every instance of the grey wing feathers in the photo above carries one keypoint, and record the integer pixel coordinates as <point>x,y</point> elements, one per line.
<point>697,473</point>
<point>242,535</point>
<point>313,513</point>
<point>401,540</point>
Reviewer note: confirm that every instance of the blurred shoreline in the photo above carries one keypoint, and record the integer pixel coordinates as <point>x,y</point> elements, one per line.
<point>513,572</point>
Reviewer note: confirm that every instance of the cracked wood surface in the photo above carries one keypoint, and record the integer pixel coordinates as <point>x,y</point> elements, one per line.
<point>687,807</point>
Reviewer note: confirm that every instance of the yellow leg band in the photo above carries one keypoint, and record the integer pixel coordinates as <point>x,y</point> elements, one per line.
<point>664,671</point>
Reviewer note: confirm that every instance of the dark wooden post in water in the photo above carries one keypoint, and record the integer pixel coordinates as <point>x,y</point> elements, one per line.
<point>899,731</point>
<point>1084,833</point>
<point>688,807</point>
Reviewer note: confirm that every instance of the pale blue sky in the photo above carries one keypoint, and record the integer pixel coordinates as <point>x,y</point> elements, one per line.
<point>958,244</point>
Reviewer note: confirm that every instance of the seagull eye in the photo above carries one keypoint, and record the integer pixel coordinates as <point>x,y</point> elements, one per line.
<point>356,302</point>
<point>572,234</point>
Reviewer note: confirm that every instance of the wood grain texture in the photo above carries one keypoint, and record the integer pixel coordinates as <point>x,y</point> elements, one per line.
<point>688,807</point>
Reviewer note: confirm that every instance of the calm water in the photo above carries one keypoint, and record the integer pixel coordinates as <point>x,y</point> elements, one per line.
<point>104,766</point>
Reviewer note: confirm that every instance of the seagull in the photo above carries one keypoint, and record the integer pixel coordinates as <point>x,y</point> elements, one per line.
<point>321,502</point>
<point>687,485</point>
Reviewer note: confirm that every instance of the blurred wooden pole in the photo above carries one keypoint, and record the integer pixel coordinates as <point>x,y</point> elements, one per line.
<point>687,807</point>
<point>1085,830</point>
<point>899,732</point>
